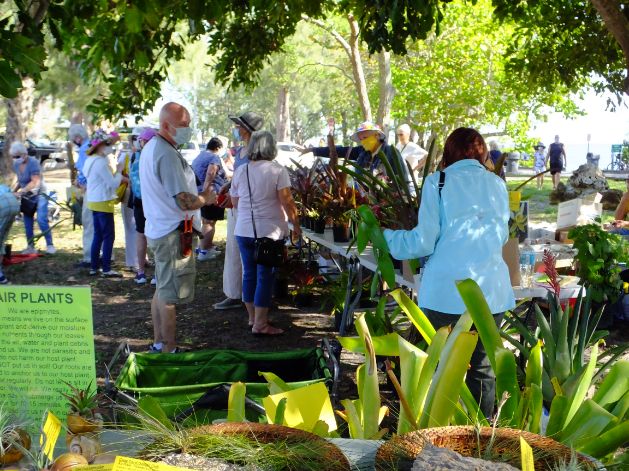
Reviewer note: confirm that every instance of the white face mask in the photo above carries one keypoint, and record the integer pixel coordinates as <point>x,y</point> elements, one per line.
<point>182,135</point>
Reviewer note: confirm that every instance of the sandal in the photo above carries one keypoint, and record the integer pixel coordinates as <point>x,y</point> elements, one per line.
<point>267,331</point>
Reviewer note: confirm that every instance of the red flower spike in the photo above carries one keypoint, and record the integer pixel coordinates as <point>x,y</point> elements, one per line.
<point>550,262</point>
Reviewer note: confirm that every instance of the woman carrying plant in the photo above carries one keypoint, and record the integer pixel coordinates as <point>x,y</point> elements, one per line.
<point>463,224</point>
<point>32,190</point>
<point>102,184</point>
<point>261,194</point>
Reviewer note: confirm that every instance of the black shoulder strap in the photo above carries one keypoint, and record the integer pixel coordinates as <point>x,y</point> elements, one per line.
<point>442,181</point>
<point>253,221</point>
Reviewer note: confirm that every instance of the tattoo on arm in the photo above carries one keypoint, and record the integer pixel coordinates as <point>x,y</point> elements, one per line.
<point>188,201</point>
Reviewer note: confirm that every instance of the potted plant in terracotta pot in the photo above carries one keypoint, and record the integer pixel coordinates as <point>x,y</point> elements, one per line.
<point>13,437</point>
<point>83,416</point>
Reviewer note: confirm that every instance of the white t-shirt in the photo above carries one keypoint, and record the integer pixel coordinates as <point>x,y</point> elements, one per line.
<point>164,173</point>
<point>266,177</point>
<point>412,153</point>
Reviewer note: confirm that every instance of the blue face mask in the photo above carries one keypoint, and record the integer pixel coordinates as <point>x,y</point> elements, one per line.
<point>236,133</point>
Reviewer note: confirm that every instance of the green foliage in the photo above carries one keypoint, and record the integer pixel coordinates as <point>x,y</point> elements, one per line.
<point>82,401</point>
<point>459,78</point>
<point>599,254</point>
<point>543,53</point>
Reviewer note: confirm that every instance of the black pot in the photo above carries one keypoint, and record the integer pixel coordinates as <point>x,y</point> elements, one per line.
<point>318,225</point>
<point>397,264</point>
<point>304,300</point>
<point>280,288</point>
<point>340,233</point>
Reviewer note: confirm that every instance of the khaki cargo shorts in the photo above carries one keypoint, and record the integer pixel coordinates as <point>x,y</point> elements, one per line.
<point>175,274</point>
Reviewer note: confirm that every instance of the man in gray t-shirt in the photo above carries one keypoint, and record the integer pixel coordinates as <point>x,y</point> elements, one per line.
<point>170,197</point>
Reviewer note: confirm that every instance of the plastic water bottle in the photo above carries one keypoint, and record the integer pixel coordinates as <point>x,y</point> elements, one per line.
<point>527,264</point>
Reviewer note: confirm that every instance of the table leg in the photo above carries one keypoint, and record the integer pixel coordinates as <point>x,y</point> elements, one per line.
<point>354,277</point>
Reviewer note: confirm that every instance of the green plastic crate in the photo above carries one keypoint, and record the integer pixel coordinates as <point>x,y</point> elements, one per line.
<point>177,381</point>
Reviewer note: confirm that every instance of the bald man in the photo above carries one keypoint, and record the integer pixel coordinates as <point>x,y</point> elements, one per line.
<point>169,197</point>
<point>411,152</point>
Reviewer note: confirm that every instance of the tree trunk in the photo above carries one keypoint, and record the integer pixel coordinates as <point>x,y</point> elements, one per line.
<point>19,109</point>
<point>357,68</point>
<point>283,114</point>
<point>386,91</point>
<point>618,25</point>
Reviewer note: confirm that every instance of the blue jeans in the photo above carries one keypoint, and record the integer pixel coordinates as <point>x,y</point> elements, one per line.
<point>42,222</point>
<point>257,280</point>
<point>104,235</point>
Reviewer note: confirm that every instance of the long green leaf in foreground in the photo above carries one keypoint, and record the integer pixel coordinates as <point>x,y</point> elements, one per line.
<point>608,442</point>
<point>369,390</point>
<point>412,361</point>
<point>415,314</point>
<point>478,308</point>
<point>236,402</point>
<point>443,395</point>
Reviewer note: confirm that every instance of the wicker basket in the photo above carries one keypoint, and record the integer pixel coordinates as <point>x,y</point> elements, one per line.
<point>333,459</point>
<point>402,450</point>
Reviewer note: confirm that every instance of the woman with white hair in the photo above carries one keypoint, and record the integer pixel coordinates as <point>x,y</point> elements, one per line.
<point>31,190</point>
<point>77,134</point>
<point>261,191</point>
<point>9,208</point>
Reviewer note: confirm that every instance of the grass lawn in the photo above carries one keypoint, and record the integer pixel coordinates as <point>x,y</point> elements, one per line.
<point>540,210</point>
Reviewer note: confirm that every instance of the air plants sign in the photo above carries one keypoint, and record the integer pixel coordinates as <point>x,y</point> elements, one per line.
<point>46,338</point>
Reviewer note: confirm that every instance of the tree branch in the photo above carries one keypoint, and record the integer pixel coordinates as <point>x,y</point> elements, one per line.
<point>335,34</point>
<point>345,74</point>
<point>617,24</point>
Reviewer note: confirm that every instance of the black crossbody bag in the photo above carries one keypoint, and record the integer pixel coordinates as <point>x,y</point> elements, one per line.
<point>267,252</point>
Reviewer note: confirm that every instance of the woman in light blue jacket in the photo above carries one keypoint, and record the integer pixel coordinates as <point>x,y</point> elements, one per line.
<point>463,224</point>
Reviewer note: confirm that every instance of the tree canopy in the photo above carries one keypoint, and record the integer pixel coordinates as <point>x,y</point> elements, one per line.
<point>131,44</point>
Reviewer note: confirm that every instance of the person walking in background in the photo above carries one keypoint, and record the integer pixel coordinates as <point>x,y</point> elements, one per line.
<point>558,160</point>
<point>413,154</point>
<point>102,184</point>
<point>9,208</point>
<point>138,211</point>
<point>246,124</point>
<point>126,208</point>
<point>539,164</point>
<point>261,194</point>
<point>458,203</point>
<point>78,135</point>
<point>171,205</point>
<point>210,173</point>
<point>494,157</point>
<point>32,190</point>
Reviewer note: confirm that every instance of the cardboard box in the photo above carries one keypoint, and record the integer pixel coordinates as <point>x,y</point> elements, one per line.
<point>511,256</point>
<point>579,211</point>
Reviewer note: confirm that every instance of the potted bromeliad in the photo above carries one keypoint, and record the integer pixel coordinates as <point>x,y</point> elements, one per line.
<point>13,437</point>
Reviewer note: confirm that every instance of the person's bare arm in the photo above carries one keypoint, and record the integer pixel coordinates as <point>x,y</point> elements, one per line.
<point>286,199</point>
<point>212,170</point>
<point>33,184</point>
<point>622,208</point>
<point>190,202</point>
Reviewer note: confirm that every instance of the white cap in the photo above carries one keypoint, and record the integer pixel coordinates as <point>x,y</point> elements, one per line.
<point>404,128</point>
<point>18,148</point>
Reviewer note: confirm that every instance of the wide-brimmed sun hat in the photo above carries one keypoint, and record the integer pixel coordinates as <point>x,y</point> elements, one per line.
<point>539,145</point>
<point>367,126</point>
<point>249,120</point>
<point>101,137</point>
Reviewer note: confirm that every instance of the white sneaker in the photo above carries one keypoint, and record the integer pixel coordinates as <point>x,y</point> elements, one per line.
<point>51,249</point>
<point>205,255</point>
<point>214,250</point>
<point>30,250</point>
<point>153,281</point>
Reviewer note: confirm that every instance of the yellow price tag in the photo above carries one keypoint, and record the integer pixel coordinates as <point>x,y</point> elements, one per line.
<point>48,439</point>
<point>94,467</point>
<point>526,453</point>
<point>124,463</point>
<point>514,200</point>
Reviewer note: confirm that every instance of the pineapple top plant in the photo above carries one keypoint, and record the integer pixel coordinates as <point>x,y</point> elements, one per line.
<point>83,403</point>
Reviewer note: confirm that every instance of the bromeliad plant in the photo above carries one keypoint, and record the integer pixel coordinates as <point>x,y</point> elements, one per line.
<point>574,419</point>
<point>83,403</point>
